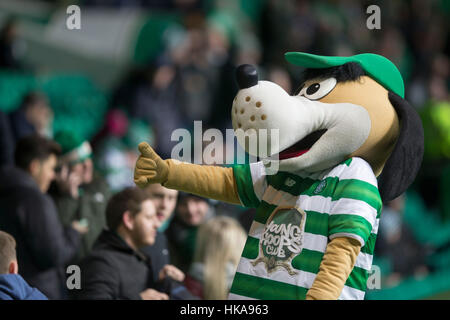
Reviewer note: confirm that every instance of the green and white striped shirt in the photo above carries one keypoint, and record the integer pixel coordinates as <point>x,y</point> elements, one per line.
<point>296,216</point>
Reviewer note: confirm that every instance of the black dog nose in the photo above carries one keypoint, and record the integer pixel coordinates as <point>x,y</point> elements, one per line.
<point>246,76</point>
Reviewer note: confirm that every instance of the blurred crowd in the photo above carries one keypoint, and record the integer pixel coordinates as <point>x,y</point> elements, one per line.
<point>85,207</point>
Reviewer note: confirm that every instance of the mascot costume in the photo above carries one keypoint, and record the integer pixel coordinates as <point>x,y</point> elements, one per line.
<point>347,142</point>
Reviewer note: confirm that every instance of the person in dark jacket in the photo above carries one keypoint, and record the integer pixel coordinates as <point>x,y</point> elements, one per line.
<point>190,213</point>
<point>6,141</point>
<point>12,285</point>
<point>115,268</point>
<point>165,201</point>
<point>29,215</point>
<point>9,43</point>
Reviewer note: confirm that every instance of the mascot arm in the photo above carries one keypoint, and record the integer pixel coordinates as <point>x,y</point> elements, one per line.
<point>337,263</point>
<point>207,181</point>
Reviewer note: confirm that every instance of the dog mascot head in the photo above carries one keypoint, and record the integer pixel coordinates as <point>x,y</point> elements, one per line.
<point>346,107</point>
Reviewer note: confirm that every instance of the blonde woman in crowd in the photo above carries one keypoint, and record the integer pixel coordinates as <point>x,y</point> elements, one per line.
<point>219,245</point>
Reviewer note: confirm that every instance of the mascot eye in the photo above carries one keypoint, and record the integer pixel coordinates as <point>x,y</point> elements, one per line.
<point>312,89</point>
<point>318,90</point>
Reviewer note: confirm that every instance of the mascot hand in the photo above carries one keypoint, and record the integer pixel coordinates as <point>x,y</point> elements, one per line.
<point>150,168</point>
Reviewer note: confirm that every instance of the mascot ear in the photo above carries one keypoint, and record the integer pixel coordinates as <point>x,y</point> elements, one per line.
<point>402,166</point>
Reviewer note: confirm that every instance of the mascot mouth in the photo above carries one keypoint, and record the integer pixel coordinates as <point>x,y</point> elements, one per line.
<point>301,146</point>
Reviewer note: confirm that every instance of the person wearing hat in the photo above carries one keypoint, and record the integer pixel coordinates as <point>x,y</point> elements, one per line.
<point>346,143</point>
<point>79,193</point>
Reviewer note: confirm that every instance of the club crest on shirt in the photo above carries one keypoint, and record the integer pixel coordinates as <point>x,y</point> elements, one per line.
<point>322,185</point>
<point>281,240</point>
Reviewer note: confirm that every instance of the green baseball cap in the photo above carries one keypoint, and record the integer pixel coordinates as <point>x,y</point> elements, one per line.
<point>377,67</point>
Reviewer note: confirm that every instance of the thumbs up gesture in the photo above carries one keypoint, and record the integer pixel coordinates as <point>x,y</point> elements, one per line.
<point>150,168</point>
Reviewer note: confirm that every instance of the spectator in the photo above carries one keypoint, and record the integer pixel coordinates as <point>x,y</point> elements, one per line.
<point>30,216</point>
<point>115,148</point>
<point>116,269</point>
<point>246,218</point>
<point>397,243</point>
<point>158,101</point>
<point>10,46</point>
<point>219,245</point>
<point>78,192</point>
<point>191,212</point>
<point>165,201</point>
<point>34,116</point>
<point>281,77</point>
<point>6,141</point>
<point>154,94</point>
<point>12,285</point>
